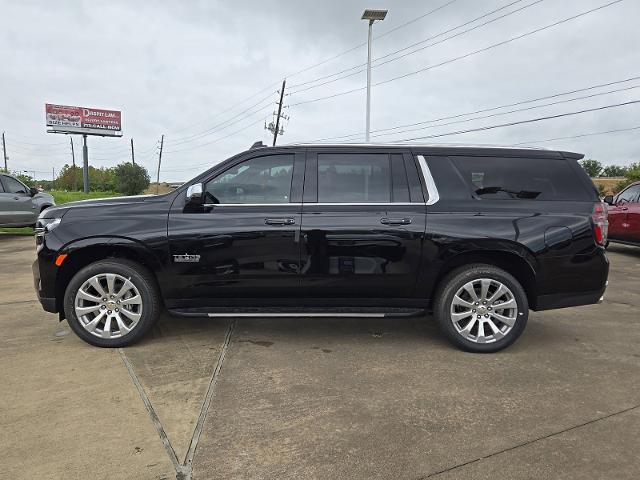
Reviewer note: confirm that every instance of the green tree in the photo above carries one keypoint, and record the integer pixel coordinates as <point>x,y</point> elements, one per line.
<point>26,179</point>
<point>131,179</point>
<point>100,179</point>
<point>592,167</point>
<point>614,171</point>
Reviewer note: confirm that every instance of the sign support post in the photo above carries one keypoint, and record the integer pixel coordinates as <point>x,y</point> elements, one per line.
<point>85,164</point>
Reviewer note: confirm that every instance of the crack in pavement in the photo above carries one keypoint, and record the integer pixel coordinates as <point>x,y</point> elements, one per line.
<point>17,302</point>
<point>529,442</point>
<point>183,470</point>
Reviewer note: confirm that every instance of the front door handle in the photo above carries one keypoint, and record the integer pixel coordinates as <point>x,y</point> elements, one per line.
<point>279,221</point>
<point>395,221</point>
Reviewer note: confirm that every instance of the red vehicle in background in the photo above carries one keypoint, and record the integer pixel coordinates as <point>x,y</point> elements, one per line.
<point>624,215</point>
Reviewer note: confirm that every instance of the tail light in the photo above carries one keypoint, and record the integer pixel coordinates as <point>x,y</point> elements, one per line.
<point>600,222</point>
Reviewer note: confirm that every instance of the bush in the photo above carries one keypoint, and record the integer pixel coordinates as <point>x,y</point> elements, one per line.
<point>631,175</point>
<point>131,179</point>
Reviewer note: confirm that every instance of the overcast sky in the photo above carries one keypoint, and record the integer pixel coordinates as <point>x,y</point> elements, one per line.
<point>206,74</point>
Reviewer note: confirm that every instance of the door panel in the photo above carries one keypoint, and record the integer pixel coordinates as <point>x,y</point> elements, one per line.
<point>623,215</point>
<point>245,241</point>
<point>241,255</point>
<point>347,251</point>
<point>16,204</point>
<point>357,242</point>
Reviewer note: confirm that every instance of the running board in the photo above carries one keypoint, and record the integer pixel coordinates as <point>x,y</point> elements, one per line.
<point>299,314</point>
<point>271,312</point>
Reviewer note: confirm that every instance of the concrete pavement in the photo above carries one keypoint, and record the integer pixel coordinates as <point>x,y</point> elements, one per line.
<point>306,399</point>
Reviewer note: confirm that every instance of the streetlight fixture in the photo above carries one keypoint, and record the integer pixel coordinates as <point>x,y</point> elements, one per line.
<point>372,16</point>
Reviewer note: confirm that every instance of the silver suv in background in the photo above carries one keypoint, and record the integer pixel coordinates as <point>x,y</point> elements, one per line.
<point>19,204</point>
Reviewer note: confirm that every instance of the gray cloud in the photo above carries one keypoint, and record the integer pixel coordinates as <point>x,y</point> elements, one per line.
<point>173,67</point>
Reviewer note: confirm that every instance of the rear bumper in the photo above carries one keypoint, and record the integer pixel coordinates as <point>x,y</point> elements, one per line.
<point>549,302</point>
<point>48,303</point>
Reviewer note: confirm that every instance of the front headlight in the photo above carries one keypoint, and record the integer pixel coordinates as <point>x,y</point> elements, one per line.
<point>45,225</point>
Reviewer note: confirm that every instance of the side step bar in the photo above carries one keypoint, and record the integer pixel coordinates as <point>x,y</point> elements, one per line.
<point>300,314</point>
<point>271,312</point>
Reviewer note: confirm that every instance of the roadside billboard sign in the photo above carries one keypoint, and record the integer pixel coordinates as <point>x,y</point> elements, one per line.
<point>83,120</point>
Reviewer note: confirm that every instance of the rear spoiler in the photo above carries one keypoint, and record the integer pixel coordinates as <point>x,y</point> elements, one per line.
<point>576,156</point>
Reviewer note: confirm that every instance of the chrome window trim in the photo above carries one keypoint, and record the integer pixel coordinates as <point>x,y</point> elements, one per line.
<point>373,204</point>
<point>322,204</point>
<point>432,189</point>
<point>251,204</point>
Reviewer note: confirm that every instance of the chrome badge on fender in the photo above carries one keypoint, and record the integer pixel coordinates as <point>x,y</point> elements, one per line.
<point>186,258</point>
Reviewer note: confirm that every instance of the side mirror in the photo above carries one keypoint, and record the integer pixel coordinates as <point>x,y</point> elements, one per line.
<point>608,199</point>
<point>194,194</point>
<point>33,191</point>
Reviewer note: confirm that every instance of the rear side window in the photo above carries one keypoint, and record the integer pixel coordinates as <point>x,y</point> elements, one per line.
<point>630,195</point>
<point>354,178</point>
<point>504,178</point>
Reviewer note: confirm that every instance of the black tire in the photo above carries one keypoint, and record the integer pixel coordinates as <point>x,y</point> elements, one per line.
<point>455,281</point>
<point>141,278</point>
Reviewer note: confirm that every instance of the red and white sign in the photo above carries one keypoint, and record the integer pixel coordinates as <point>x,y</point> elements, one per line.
<point>95,121</point>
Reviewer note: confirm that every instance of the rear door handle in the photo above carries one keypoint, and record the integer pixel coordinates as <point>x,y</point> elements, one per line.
<point>395,221</point>
<point>279,221</point>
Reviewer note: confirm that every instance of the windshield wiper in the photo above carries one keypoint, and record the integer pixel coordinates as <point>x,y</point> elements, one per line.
<point>521,194</point>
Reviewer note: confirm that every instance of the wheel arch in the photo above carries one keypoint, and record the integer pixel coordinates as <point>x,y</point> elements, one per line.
<point>87,251</point>
<point>507,260</point>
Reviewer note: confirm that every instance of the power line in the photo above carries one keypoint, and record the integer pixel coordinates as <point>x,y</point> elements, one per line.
<point>484,110</point>
<point>617,130</point>
<point>217,115</point>
<point>475,52</point>
<point>217,139</point>
<point>421,42</point>
<point>221,125</point>
<point>531,120</point>
<point>363,44</point>
<point>511,111</point>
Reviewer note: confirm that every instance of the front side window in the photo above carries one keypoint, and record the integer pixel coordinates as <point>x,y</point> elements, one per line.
<point>258,180</point>
<point>630,195</point>
<point>505,178</point>
<point>12,185</point>
<point>354,178</point>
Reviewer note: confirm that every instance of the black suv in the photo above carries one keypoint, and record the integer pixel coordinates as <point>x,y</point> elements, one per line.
<point>478,236</point>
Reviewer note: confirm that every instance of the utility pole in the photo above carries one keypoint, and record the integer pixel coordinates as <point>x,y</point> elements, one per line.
<point>133,157</point>
<point>274,126</point>
<point>73,162</point>
<point>4,152</point>
<point>85,164</point>
<point>159,162</point>
<point>53,178</point>
<point>276,131</point>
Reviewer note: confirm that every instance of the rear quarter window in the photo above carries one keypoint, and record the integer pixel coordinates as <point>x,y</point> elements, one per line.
<point>515,178</point>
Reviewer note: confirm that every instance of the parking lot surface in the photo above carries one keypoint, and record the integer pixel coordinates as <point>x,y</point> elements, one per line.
<point>320,398</point>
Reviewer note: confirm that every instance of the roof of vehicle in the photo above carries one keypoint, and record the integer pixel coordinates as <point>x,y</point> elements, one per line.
<point>446,149</point>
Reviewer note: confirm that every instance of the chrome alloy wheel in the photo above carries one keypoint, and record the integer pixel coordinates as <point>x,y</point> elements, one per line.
<point>484,310</point>
<point>108,305</point>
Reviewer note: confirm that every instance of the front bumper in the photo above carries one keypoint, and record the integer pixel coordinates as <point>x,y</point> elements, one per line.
<point>48,303</point>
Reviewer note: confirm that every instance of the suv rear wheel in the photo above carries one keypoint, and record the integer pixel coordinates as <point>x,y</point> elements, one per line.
<point>481,308</point>
<point>111,303</point>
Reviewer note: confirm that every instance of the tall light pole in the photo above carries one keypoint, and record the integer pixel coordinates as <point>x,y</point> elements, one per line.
<point>372,16</point>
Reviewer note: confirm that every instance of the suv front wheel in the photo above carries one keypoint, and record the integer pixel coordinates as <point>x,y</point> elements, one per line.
<point>481,308</point>
<point>111,303</point>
